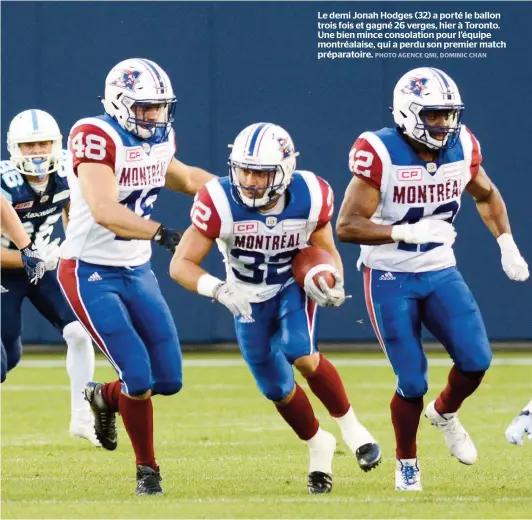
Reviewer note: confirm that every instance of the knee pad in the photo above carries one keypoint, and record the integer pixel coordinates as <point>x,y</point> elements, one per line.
<point>167,387</point>
<point>276,391</point>
<point>136,383</point>
<point>412,387</point>
<point>75,334</point>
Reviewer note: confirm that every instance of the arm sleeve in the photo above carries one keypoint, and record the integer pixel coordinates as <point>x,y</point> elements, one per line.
<point>204,215</point>
<point>365,163</point>
<point>327,205</point>
<point>476,155</point>
<point>91,144</point>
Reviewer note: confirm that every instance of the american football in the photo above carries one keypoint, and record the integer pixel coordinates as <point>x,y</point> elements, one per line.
<point>308,258</point>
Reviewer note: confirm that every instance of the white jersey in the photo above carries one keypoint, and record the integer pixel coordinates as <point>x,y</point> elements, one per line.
<point>257,247</point>
<point>140,171</point>
<point>412,189</point>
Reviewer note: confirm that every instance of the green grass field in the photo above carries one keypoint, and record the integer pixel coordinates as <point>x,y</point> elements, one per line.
<point>225,453</point>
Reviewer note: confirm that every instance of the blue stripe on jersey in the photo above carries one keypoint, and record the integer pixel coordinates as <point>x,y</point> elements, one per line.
<point>255,137</point>
<point>156,72</point>
<point>34,119</point>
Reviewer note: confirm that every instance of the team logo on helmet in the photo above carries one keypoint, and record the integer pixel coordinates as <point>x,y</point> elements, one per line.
<point>415,86</point>
<point>127,79</point>
<point>286,147</point>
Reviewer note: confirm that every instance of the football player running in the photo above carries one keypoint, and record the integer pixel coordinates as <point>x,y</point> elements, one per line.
<point>121,160</point>
<point>521,425</point>
<point>400,204</point>
<point>261,215</point>
<point>34,182</point>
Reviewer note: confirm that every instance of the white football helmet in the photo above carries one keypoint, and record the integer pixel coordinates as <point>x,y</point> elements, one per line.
<point>142,83</point>
<point>33,126</point>
<point>427,88</point>
<point>262,147</point>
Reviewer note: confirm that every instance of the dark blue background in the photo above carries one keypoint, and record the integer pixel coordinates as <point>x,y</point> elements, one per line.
<point>233,64</point>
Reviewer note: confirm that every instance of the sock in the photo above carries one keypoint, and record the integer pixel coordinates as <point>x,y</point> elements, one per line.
<point>460,385</point>
<point>137,416</point>
<point>327,386</point>
<point>111,394</point>
<point>353,433</point>
<point>80,367</point>
<point>298,413</point>
<point>405,419</point>
<point>321,450</point>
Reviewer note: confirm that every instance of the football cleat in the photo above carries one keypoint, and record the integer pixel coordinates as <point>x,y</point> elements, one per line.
<point>368,456</point>
<point>407,475</point>
<point>83,428</point>
<point>148,481</point>
<point>104,418</point>
<point>456,437</point>
<point>319,482</point>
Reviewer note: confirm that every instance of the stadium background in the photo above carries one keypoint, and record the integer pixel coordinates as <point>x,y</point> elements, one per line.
<point>234,63</point>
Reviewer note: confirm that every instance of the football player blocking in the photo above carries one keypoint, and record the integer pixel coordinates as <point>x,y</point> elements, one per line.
<point>260,216</point>
<point>34,182</point>
<point>121,160</point>
<point>400,204</point>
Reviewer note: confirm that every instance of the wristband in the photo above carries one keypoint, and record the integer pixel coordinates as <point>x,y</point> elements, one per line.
<point>207,285</point>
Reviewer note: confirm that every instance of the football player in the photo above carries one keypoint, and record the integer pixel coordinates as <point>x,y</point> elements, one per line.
<point>520,425</point>
<point>121,161</point>
<point>400,205</point>
<point>261,215</point>
<point>32,260</point>
<point>35,184</point>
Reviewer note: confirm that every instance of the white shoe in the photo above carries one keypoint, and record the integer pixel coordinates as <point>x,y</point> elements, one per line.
<point>407,475</point>
<point>456,437</point>
<point>83,428</point>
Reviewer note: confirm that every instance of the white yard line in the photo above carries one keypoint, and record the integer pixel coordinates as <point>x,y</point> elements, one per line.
<point>341,362</point>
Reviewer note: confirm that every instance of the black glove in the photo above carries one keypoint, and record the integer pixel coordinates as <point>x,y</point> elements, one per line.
<point>168,238</point>
<point>34,264</point>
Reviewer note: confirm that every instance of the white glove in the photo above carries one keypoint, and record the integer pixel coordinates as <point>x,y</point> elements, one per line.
<point>324,295</point>
<point>513,263</point>
<point>50,252</point>
<point>424,231</point>
<point>235,300</point>
<point>518,427</point>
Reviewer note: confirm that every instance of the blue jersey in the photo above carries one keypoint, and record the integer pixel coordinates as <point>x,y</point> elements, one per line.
<point>38,212</point>
<point>258,247</point>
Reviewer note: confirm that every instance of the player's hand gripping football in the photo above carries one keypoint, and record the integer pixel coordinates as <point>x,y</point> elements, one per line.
<point>324,295</point>
<point>235,300</point>
<point>33,262</point>
<point>425,231</point>
<point>518,427</point>
<point>513,263</point>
